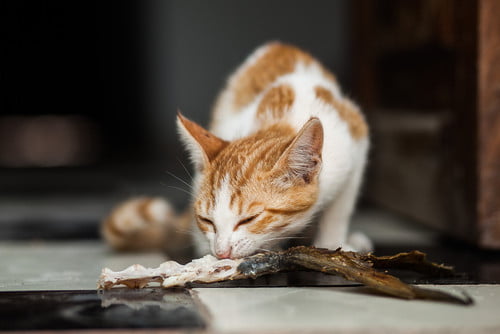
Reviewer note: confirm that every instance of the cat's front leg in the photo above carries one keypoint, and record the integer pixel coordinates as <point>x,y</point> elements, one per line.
<point>139,224</point>
<point>334,222</point>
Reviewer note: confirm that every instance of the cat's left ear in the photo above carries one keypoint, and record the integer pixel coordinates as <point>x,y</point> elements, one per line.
<point>301,161</point>
<point>201,144</point>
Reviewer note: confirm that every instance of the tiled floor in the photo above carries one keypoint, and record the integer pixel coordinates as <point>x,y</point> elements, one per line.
<point>299,303</point>
<point>347,310</point>
<point>75,265</point>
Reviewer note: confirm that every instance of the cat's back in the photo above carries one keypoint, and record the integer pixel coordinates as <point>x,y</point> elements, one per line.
<point>254,84</point>
<point>280,82</point>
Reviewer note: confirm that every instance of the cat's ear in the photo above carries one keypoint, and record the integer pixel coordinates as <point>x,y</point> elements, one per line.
<point>201,144</point>
<point>301,161</point>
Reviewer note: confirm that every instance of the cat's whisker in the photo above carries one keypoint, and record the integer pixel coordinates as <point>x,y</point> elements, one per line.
<point>164,184</point>
<point>284,238</point>
<point>189,229</point>
<point>185,169</point>
<point>181,180</point>
<point>183,246</point>
<point>181,189</point>
<point>186,231</point>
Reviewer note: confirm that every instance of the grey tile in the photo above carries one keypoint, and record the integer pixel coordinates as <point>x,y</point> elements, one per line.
<point>347,310</point>
<point>62,265</point>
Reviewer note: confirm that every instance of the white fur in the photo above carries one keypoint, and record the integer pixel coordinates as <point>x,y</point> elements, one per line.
<point>224,219</point>
<point>344,157</point>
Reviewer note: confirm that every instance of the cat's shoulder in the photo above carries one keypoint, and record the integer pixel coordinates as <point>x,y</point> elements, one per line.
<point>345,108</point>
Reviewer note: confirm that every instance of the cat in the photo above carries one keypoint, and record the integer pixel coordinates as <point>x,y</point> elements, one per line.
<point>284,146</point>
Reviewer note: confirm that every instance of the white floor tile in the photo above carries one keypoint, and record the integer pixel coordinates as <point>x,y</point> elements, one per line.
<point>62,266</point>
<point>346,310</point>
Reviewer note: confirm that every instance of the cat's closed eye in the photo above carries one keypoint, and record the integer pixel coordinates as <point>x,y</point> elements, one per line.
<point>246,220</point>
<point>206,222</point>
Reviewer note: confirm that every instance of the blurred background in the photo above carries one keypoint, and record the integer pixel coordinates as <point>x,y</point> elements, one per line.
<point>91,89</point>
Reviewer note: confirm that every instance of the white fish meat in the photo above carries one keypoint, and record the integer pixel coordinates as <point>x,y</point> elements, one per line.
<point>207,269</point>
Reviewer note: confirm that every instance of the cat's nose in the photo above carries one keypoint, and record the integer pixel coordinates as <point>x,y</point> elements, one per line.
<point>226,254</point>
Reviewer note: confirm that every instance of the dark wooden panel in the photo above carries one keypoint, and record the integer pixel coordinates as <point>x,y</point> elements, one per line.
<point>428,74</point>
<point>489,123</point>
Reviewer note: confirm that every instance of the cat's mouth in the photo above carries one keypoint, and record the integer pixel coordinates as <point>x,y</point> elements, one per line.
<point>231,255</point>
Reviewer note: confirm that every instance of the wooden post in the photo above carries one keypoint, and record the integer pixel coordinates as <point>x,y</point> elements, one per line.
<point>488,113</point>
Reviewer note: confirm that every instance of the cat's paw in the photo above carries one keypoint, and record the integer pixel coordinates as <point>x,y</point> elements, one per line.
<point>359,242</point>
<point>138,223</point>
<point>356,242</point>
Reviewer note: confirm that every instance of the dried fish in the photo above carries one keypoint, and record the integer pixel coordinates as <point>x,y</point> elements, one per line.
<point>355,267</point>
<point>352,266</point>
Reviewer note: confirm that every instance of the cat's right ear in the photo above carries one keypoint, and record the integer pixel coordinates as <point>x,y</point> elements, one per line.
<point>301,161</point>
<point>201,144</point>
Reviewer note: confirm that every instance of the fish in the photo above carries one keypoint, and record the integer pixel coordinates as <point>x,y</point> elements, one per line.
<point>357,267</point>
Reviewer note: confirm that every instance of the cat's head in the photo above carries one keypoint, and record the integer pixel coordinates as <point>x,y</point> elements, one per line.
<point>254,192</point>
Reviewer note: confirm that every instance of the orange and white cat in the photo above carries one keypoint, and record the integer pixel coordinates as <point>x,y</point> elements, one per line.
<point>284,146</point>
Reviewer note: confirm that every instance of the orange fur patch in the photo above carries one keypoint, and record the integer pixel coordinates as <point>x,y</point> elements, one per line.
<point>347,111</point>
<point>275,103</point>
<point>254,205</point>
<point>288,211</point>
<point>279,59</point>
<point>261,225</point>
